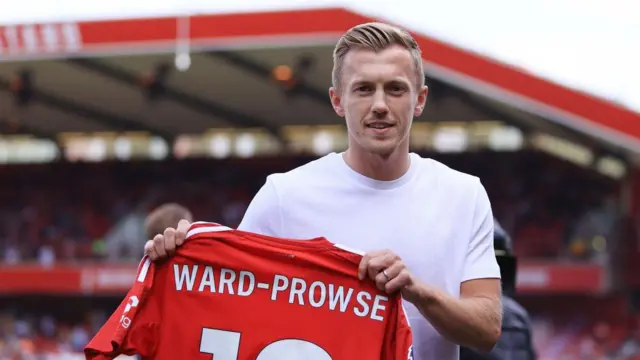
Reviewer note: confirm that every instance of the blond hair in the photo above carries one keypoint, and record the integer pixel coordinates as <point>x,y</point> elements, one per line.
<point>376,37</point>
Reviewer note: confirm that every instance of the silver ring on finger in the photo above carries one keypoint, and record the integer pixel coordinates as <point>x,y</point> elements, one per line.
<point>384,272</point>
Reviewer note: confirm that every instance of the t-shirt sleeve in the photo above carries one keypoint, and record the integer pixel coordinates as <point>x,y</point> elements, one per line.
<point>133,327</point>
<point>263,216</point>
<point>481,258</point>
<point>398,338</point>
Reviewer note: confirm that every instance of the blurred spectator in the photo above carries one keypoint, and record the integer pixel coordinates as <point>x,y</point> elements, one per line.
<point>164,216</point>
<point>30,336</point>
<point>104,212</point>
<point>62,212</point>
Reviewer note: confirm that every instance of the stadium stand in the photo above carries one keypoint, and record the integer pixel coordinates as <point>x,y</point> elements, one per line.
<point>83,209</point>
<point>536,197</point>
<point>79,212</point>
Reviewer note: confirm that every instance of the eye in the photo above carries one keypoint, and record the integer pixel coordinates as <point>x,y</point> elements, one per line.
<point>396,89</point>
<point>363,88</point>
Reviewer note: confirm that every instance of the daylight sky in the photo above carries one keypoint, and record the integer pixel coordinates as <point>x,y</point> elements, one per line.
<point>586,44</point>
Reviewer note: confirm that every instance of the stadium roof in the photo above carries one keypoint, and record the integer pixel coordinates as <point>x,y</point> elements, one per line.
<point>87,76</point>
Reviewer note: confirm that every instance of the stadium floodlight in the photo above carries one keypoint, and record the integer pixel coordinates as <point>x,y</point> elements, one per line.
<point>507,138</point>
<point>220,146</point>
<point>283,74</point>
<point>322,143</point>
<point>245,145</point>
<point>122,148</point>
<point>158,148</point>
<point>183,61</point>
<point>450,139</point>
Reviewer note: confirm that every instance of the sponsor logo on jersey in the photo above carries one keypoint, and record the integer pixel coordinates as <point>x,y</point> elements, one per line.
<point>131,303</point>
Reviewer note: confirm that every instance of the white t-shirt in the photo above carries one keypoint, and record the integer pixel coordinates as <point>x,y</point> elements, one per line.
<point>438,220</point>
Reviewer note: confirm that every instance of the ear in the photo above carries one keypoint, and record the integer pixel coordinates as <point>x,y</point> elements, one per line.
<point>422,101</point>
<point>336,101</point>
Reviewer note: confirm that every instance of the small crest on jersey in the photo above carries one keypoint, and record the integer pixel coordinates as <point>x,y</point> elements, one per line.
<point>410,355</point>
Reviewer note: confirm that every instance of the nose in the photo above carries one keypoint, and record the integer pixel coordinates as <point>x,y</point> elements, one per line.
<point>379,107</point>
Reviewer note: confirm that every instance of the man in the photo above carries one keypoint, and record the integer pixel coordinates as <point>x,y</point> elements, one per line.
<point>436,223</point>
<point>164,216</point>
<point>516,340</point>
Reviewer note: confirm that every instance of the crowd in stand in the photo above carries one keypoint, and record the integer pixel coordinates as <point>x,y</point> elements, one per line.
<point>94,212</point>
<point>49,328</point>
<point>68,211</point>
<point>30,337</point>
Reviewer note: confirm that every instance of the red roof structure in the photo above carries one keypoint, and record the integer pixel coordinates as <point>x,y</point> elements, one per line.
<point>86,65</point>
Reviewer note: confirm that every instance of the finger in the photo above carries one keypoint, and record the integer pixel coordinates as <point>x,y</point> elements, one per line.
<point>181,231</point>
<point>170,240</point>
<point>362,267</point>
<point>381,280</point>
<point>158,246</point>
<point>399,282</point>
<point>381,262</point>
<point>364,263</point>
<point>149,250</point>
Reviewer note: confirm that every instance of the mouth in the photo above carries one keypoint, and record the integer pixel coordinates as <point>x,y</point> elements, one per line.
<point>380,125</point>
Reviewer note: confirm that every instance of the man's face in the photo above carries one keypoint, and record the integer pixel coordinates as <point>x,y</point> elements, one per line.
<point>378,98</point>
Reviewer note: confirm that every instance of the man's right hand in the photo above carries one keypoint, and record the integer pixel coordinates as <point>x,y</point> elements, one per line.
<point>164,245</point>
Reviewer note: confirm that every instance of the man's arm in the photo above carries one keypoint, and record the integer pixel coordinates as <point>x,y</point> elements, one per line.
<point>516,340</point>
<point>475,319</point>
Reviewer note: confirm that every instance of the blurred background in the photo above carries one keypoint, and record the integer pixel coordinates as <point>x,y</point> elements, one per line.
<point>107,112</point>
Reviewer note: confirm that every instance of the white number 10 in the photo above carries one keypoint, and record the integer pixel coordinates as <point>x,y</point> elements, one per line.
<point>224,345</point>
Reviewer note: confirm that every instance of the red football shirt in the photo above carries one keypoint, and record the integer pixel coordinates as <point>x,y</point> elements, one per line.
<point>234,295</point>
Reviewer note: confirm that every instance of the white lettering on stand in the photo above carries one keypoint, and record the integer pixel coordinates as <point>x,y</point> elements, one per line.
<point>34,39</point>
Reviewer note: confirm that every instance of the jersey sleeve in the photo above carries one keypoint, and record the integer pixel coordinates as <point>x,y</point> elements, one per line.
<point>481,258</point>
<point>133,327</point>
<point>263,216</point>
<point>398,338</point>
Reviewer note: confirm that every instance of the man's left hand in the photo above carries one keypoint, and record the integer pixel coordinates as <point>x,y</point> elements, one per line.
<point>390,274</point>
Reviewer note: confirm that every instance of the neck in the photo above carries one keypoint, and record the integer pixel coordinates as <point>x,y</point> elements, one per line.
<point>378,167</point>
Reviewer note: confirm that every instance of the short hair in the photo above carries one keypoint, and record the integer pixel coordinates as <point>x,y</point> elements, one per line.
<point>375,36</point>
<point>164,216</point>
